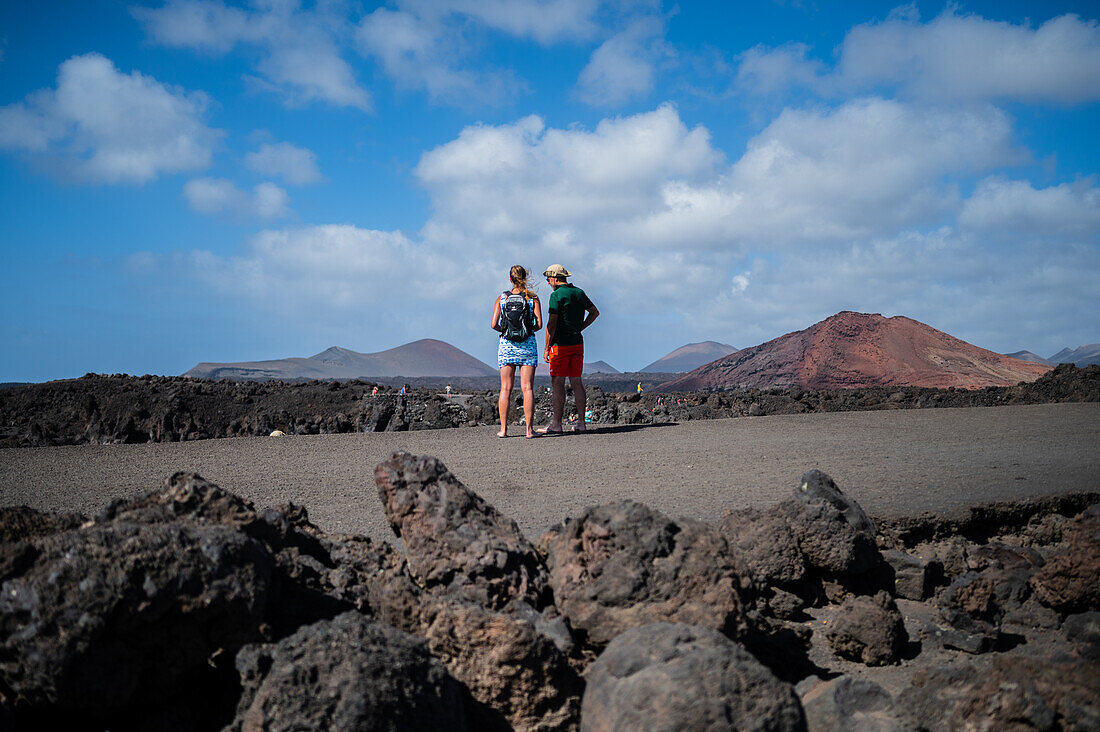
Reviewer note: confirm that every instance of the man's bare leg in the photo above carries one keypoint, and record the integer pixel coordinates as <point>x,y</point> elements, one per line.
<point>581,399</point>
<point>558,384</point>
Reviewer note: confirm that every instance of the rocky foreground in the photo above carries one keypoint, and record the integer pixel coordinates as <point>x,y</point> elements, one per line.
<point>127,409</point>
<point>191,609</point>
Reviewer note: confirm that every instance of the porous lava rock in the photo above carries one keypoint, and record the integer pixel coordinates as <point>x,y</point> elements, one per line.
<point>21,522</point>
<point>1068,581</point>
<point>849,704</point>
<point>372,577</point>
<point>506,663</point>
<point>684,677</point>
<point>348,673</point>
<point>109,618</point>
<point>915,578</point>
<point>1014,693</point>
<point>621,565</point>
<point>835,536</point>
<point>869,630</point>
<point>763,541</point>
<point>455,542</point>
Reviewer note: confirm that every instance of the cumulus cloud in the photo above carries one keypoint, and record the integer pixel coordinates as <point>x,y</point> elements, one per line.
<point>526,181</point>
<point>102,125</point>
<point>421,52</point>
<point>624,66</point>
<point>968,57</point>
<point>294,165</point>
<point>267,201</point>
<point>300,57</point>
<point>767,71</point>
<point>1069,209</point>
<point>952,58</point>
<point>335,269</point>
<point>545,21</point>
<point>867,167</point>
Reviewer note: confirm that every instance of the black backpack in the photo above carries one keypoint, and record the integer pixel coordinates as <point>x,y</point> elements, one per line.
<point>516,323</point>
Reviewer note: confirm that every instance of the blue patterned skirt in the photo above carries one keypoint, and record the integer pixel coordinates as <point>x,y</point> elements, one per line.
<point>519,354</point>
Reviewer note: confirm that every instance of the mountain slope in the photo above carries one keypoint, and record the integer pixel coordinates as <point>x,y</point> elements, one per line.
<point>426,357</point>
<point>689,357</point>
<point>1080,357</point>
<point>850,350</point>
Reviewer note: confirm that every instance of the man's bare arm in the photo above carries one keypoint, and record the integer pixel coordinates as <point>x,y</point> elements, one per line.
<point>593,313</point>
<point>551,326</point>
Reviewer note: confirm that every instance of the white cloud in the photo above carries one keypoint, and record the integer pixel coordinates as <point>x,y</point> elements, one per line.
<point>424,53</point>
<point>301,59</point>
<point>766,71</point>
<point>624,66</point>
<point>952,58</point>
<point>337,269</point>
<point>105,126</point>
<point>294,165</point>
<point>523,180</point>
<point>545,21</point>
<point>1016,206</point>
<point>220,196</point>
<point>871,166</point>
<point>967,57</point>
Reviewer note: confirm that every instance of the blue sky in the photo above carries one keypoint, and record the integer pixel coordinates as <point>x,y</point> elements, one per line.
<point>200,180</point>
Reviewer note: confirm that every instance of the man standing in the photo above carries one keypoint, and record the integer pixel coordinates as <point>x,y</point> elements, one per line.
<point>569,312</point>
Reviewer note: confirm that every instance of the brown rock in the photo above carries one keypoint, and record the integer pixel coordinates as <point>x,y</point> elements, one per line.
<point>623,565</point>
<point>669,676</point>
<point>455,542</point>
<point>506,664</point>
<point>869,630</point>
<point>1015,693</point>
<point>1068,581</point>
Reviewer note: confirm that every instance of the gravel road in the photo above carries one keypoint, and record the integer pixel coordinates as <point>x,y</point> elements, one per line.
<point>893,462</point>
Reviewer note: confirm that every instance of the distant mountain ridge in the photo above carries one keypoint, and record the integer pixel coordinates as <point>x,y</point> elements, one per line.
<point>426,357</point>
<point>689,357</point>
<point>599,367</point>
<point>852,350</point>
<point>1080,357</point>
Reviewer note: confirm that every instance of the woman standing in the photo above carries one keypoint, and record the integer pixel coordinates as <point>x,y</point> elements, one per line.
<point>517,316</point>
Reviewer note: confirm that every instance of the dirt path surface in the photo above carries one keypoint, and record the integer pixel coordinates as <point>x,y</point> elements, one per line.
<point>893,462</point>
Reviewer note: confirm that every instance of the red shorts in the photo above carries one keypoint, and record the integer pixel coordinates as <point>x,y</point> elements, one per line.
<point>566,360</point>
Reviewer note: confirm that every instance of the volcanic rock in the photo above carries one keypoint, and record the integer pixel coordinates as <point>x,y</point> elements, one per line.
<point>455,541</point>
<point>853,350</point>
<point>88,626</point>
<point>348,673</point>
<point>20,522</point>
<point>869,630</point>
<point>1068,581</point>
<point>763,541</point>
<point>684,677</point>
<point>914,578</point>
<point>848,704</point>
<point>834,534</point>
<point>622,565</point>
<point>1052,693</point>
<point>373,578</point>
<point>506,663</point>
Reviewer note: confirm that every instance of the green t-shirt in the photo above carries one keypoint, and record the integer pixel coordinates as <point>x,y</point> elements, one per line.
<point>570,304</point>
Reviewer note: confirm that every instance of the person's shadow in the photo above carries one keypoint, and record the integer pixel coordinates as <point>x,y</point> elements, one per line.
<point>618,429</point>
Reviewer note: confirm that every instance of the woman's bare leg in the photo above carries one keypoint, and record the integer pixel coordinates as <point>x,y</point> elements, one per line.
<point>507,381</point>
<point>527,386</point>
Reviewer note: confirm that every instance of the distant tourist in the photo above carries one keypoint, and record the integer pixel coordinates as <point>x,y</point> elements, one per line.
<point>569,311</point>
<point>517,316</point>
